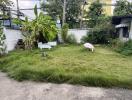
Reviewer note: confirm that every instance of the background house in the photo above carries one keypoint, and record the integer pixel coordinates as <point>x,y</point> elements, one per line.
<point>123,25</point>
<point>108,5</point>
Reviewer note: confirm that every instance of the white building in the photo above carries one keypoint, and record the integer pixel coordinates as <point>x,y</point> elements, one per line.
<point>123,25</point>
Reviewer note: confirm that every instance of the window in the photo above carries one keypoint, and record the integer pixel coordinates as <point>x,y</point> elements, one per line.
<point>125,32</point>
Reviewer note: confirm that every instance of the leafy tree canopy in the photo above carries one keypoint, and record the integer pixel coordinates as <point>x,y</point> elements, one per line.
<point>5,2</point>
<point>73,9</point>
<point>123,7</point>
<point>95,11</point>
<point>3,5</point>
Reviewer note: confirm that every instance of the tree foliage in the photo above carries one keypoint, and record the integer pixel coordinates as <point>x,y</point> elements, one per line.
<point>95,11</point>
<point>2,41</point>
<point>123,7</point>
<point>102,28</point>
<point>73,9</point>
<point>102,32</point>
<point>64,32</point>
<point>5,2</point>
<point>3,6</point>
<point>42,26</point>
<point>54,8</point>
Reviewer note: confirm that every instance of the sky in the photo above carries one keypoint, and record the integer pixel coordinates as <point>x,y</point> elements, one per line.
<point>23,4</point>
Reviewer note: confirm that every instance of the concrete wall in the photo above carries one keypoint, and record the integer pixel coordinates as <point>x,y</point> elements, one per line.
<point>130,34</point>
<point>78,33</point>
<point>12,37</point>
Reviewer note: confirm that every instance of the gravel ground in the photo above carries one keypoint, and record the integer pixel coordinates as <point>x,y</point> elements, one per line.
<point>13,90</point>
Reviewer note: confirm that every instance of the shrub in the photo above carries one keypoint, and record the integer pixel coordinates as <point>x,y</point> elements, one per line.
<point>2,42</point>
<point>126,49</point>
<point>42,26</point>
<point>116,43</point>
<point>64,32</point>
<point>101,33</point>
<point>71,39</point>
<point>96,37</point>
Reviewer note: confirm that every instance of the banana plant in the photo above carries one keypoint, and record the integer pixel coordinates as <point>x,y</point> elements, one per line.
<point>42,24</point>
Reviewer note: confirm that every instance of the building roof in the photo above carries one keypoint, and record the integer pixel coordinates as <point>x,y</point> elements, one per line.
<point>121,25</point>
<point>117,19</point>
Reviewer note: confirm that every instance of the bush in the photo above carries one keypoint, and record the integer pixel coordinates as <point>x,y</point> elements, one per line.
<point>116,43</point>
<point>71,39</point>
<point>101,33</point>
<point>64,32</point>
<point>2,42</point>
<point>126,49</point>
<point>87,38</point>
<point>96,37</point>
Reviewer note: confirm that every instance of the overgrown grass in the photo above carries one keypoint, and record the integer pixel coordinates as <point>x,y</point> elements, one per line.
<point>71,64</point>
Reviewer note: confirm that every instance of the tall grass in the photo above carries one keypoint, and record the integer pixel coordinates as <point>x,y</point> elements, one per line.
<point>71,64</point>
<point>124,48</point>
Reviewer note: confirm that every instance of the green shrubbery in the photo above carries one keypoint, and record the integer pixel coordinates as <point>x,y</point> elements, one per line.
<point>71,39</point>
<point>101,33</point>
<point>124,48</point>
<point>40,29</point>
<point>64,32</point>
<point>96,37</point>
<point>67,38</point>
<point>116,43</point>
<point>2,42</point>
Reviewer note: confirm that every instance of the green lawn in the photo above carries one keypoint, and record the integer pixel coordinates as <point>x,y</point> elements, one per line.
<point>71,64</point>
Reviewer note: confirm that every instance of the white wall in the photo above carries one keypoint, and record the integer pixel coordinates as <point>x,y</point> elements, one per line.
<point>78,33</point>
<point>12,37</point>
<point>130,34</point>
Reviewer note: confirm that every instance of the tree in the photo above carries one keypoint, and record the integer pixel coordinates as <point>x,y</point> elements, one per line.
<point>95,11</point>
<point>54,8</point>
<point>102,29</point>
<point>42,26</point>
<point>123,7</point>
<point>2,41</point>
<point>5,2</point>
<point>73,9</point>
<point>4,10</point>
<point>64,32</point>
